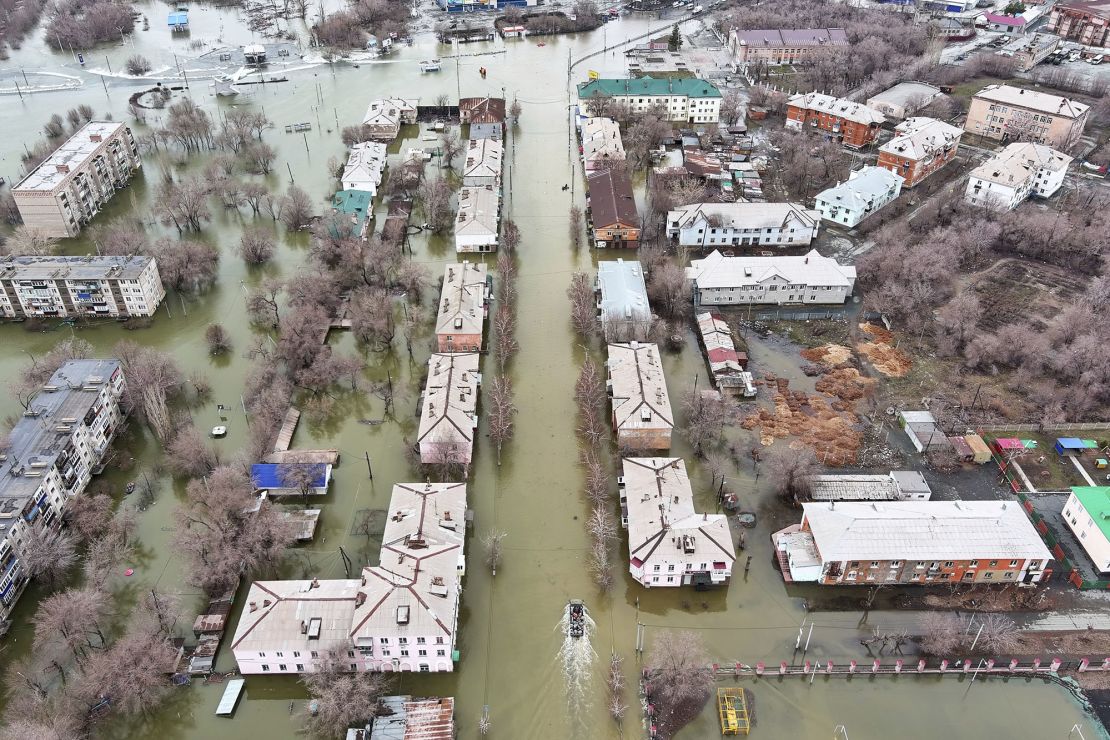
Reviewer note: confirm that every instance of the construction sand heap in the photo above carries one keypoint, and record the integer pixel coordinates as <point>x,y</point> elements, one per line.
<point>828,354</point>
<point>881,352</point>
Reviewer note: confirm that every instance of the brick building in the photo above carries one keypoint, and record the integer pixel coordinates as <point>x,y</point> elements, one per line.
<point>920,147</point>
<point>787,46</point>
<point>851,124</point>
<point>1007,113</point>
<point>1085,22</point>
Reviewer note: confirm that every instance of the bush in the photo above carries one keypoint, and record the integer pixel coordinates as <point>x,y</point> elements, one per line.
<point>138,65</point>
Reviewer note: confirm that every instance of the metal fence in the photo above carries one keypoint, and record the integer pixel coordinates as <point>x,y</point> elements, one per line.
<point>1069,427</point>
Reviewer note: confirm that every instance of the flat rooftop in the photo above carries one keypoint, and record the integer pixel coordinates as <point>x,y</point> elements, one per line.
<point>73,153</point>
<point>623,293</point>
<point>73,268</point>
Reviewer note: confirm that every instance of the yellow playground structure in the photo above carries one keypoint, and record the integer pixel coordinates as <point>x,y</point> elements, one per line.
<point>733,709</point>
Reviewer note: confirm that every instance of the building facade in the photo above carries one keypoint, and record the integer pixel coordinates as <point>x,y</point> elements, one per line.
<point>685,99</point>
<point>787,46</point>
<point>848,123</point>
<point>718,280</point>
<point>713,225</point>
<point>1085,22</point>
<point>622,304</point>
<point>385,116</point>
<point>65,192</point>
<point>463,307</point>
<point>478,221</point>
<point>399,616</point>
<point>1016,173</point>
<point>1006,113</point>
<point>50,457</point>
<point>611,209</point>
<point>863,193</point>
<point>669,543</point>
<point>642,417</point>
<point>67,287</point>
<point>1087,515</point>
<point>913,543</point>
<point>920,147</point>
<point>449,410</point>
<point>483,163</point>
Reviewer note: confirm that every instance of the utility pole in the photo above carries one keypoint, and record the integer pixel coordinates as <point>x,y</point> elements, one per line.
<point>346,562</point>
<point>368,468</point>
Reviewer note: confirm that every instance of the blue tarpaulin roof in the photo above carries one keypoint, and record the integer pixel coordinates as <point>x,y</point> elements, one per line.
<point>178,18</point>
<point>1070,443</point>
<point>272,475</point>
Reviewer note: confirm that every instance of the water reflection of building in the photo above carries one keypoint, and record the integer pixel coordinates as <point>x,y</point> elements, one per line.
<point>400,615</point>
<point>50,456</point>
<point>669,543</point>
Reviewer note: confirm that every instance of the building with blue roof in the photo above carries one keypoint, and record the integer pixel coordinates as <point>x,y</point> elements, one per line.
<point>178,20</point>
<point>285,479</point>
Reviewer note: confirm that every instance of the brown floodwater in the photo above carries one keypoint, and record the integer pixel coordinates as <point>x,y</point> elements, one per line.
<point>507,635</point>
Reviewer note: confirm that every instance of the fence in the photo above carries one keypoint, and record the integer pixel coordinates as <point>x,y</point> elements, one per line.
<point>960,667</point>
<point>1073,575</point>
<point>1068,427</point>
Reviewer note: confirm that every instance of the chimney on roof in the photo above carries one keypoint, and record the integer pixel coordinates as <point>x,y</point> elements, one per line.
<point>315,583</point>
<point>253,606</point>
<point>266,603</point>
<point>360,599</point>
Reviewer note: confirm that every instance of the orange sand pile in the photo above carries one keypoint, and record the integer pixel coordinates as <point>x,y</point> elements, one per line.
<point>881,353</point>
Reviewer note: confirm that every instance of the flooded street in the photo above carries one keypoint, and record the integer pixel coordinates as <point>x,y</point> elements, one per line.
<point>509,634</point>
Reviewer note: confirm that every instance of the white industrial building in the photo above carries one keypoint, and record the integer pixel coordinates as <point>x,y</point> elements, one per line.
<point>1015,173</point>
<point>904,99</point>
<point>67,287</point>
<point>863,193</point>
<point>742,224</point>
<point>669,543</point>
<point>718,280</point>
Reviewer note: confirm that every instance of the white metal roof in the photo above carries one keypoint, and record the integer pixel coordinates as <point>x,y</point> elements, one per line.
<point>862,188</point>
<point>70,156</point>
<point>478,211</point>
<point>1043,102</point>
<point>921,136</point>
<point>840,107</point>
<point>447,414</point>
<point>365,166</point>
<point>1015,164</point>
<point>639,390</point>
<point>746,215</point>
<point>923,530</point>
<point>906,92</point>
<point>462,302</point>
<point>483,158</point>
<point>719,271</point>
<point>623,292</point>
<point>601,139</point>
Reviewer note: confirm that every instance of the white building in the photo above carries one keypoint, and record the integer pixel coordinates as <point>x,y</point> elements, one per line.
<point>622,304</point>
<point>680,99</point>
<point>669,543</point>
<point>483,163</point>
<point>401,615</point>
<point>70,187</point>
<point>601,143</point>
<point>50,456</point>
<point>1087,514</point>
<point>385,116</point>
<point>642,417</point>
<point>365,167</point>
<point>897,485</point>
<point>904,99</point>
<point>923,431</point>
<point>1015,173</point>
<point>864,192</point>
<point>449,409</point>
<point>742,224</point>
<point>477,222</point>
<point>56,287</point>
<point>719,281</point>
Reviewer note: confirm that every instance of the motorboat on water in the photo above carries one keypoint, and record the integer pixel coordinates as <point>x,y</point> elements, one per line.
<point>430,65</point>
<point>576,618</point>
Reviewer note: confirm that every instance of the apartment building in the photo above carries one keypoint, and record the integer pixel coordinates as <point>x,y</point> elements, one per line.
<point>685,99</point>
<point>70,287</point>
<point>848,123</point>
<point>449,409</point>
<point>483,163</point>
<point>718,280</point>
<point>482,110</point>
<point>1085,22</point>
<point>622,304</point>
<point>478,221</point>
<point>1087,515</point>
<point>1006,113</point>
<point>785,46</point>
<point>920,147</point>
<point>65,192</point>
<point>365,167</point>
<point>712,225</point>
<point>904,99</point>
<point>463,306</point>
<point>642,416</point>
<point>913,543</point>
<point>611,209</point>
<point>385,116</point>
<point>1015,173</point>
<point>601,143</point>
<point>401,615</point>
<point>51,455</point>
<point>864,192</point>
<point>669,543</point>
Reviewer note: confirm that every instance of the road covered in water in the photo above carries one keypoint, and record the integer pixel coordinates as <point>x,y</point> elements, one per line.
<point>510,637</point>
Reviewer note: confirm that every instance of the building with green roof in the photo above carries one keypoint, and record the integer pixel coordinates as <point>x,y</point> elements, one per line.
<point>684,100</point>
<point>357,204</point>
<point>1087,515</point>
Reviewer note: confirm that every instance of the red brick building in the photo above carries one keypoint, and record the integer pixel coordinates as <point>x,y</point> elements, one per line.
<point>920,147</point>
<point>1085,22</point>
<point>851,124</point>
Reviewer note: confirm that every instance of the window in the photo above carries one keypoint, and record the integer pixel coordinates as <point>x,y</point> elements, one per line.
<point>441,653</point>
<point>947,563</point>
<point>404,653</point>
<point>300,667</point>
<point>425,668</point>
<point>670,579</point>
<point>265,669</point>
<point>422,653</point>
<point>280,655</point>
<point>419,640</point>
<point>281,666</point>
<point>1013,563</point>
<point>262,655</point>
<point>994,563</point>
<point>384,641</point>
<point>670,569</point>
<point>350,653</point>
<point>353,667</point>
<point>656,568</point>
<point>988,575</point>
<point>439,641</point>
<point>385,652</point>
<point>315,654</point>
<point>402,641</point>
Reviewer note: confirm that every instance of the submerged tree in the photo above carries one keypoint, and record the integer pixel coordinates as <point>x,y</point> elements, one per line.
<point>502,413</point>
<point>681,678</point>
<point>493,544</point>
<point>342,698</point>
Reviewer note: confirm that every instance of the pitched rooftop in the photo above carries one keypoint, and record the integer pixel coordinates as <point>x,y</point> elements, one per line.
<point>612,202</point>
<point>1033,99</point>
<point>462,304</point>
<point>690,87</point>
<point>639,390</point>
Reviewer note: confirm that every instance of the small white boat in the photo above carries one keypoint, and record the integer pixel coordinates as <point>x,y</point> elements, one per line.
<point>430,65</point>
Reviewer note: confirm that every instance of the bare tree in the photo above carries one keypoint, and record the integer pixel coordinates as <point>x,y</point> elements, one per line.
<point>183,204</point>
<point>510,235</point>
<point>153,379</point>
<point>137,65</point>
<point>614,685</point>
<point>259,157</point>
<point>73,618</point>
<point>791,471</point>
<point>262,304</point>
<point>451,147</point>
<point>575,224</point>
<point>590,397</point>
<point>302,478</point>
<point>342,698</point>
<point>296,210</point>
<point>494,547</point>
<point>256,245</point>
<point>28,241</point>
<point>48,554</point>
<point>941,633</point>
<point>706,413</point>
<point>504,323</point>
<point>669,291</point>
<point>501,413</point>
<point>188,455</point>
<point>583,305</point>
<point>218,340</point>
<point>435,201</point>
<point>515,110</point>
<point>1000,635</point>
<point>680,677</point>
<point>189,126</point>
